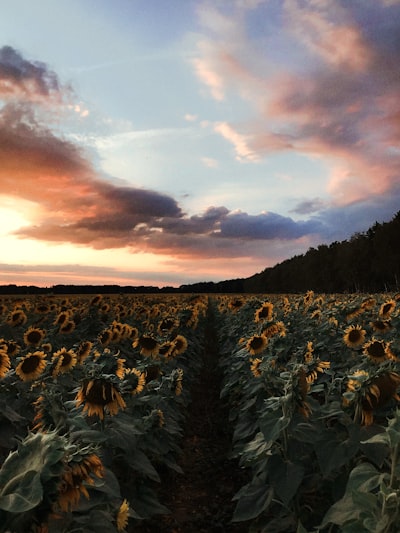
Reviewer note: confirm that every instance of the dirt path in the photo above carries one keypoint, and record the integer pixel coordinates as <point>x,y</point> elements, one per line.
<point>201,500</point>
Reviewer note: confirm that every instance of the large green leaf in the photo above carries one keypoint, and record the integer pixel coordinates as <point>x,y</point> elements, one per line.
<point>272,424</point>
<point>253,499</point>
<point>285,477</point>
<point>22,493</point>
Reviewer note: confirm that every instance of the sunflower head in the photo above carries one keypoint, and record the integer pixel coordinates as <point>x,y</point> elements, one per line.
<point>98,396</point>
<point>148,345</point>
<point>83,351</point>
<point>376,350</point>
<point>255,367</point>
<point>34,336</point>
<point>264,312</point>
<point>256,344</point>
<point>17,318</point>
<point>381,326</point>
<point>31,366</point>
<point>5,362</point>
<point>354,336</point>
<point>63,360</point>
<point>122,516</point>
<point>387,309</point>
<point>134,380</point>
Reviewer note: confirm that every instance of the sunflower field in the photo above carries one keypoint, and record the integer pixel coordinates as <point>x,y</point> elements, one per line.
<point>92,402</point>
<point>312,382</point>
<point>94,393</point>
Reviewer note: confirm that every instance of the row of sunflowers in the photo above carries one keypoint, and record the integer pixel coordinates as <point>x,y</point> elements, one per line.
<point>312,381</point>
<point>93,391</point>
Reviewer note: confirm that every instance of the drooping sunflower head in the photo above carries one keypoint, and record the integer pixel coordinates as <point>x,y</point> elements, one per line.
<point>378,394</point>
<point>62,317</point>
<point>354,336</point>
<point>166,325</point>
<point>31,366</point>
<point>78,473</point>
<point>387,309</point>
<point>105,337</point>
<point>376,350</point>
<point>315,368</point>
<point>256,344</point>
<point>100,395</point>
<point>265,312</point>
<point>34,336</point>
<point>122,516</point>
<point>12,347</point>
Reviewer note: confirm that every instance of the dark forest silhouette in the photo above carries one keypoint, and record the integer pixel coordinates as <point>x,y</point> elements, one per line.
<point>367,262</point>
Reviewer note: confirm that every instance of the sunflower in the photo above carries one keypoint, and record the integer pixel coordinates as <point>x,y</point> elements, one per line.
<point>264,312</point>
<point>235,304</point>
<point>255,367</point>
<point>136,380</point>
<point>318,367</point>
<point>99,395</point>
<point>308,298</point>
<point>256,344</point>
<point>278,328</point>
<point>12,347</point>
<point>387,309</point>
<point>96,299</point>
<point>64,360</point>
<point>354,313</point>
<point>74,479</point>
<point>178,382</point>
<point>122,516</point>
<point>308,356</point>
<point>31,366</point>
<point>34,336</point>
<point>17,318</point>
<point>5,362</point>
<point>376,350</point>
<point>167,325</point>
<point>380,391</point>
<point>105,337</point>
<point>62,318</point>
<point>180,345</point>
<point>148,345</point>
<point>67,327</point>
<point>83,351</point>
<point>354,336</point>
<point>381,326</point>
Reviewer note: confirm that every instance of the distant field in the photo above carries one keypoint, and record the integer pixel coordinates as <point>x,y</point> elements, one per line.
<point>95,390</point>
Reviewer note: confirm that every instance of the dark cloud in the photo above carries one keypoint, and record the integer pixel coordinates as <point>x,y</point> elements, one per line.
<point>20,77</point>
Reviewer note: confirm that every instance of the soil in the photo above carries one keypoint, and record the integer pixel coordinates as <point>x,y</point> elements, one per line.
<point>200,500</point>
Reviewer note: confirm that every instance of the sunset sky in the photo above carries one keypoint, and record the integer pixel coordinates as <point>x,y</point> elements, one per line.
<point>152,142</point>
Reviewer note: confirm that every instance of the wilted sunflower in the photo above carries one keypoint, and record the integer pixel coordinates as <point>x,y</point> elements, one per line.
<point>64,360</point>
<point>122,516</point>
<point>5,362</point>
<point>17,318</point>
<point>99,395</point>
<point>387,309</point>
<point>380,391</point>
<point>354,313</point>
<point>318,367</point>
<point>255,367</point>
<point>148,345</point>
<point>256,344</point>
<point>34,336</point>
<point>376,350</point>
<point>74,479</point>
<point>31,366</point>
<point>264,312</point>
<point>354,336</point>
<point>278,328</point>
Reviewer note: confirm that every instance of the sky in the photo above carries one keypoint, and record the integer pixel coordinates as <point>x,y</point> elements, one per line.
<point>152,142</point>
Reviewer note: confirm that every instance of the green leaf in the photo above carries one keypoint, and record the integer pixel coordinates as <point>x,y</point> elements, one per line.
<point>341,512</point>
<point>285,477</point>
<point>253,499</point>
<point>141,464</point>
<point>22,493</point>
<point>272,424</point>
<point>364,477</point>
